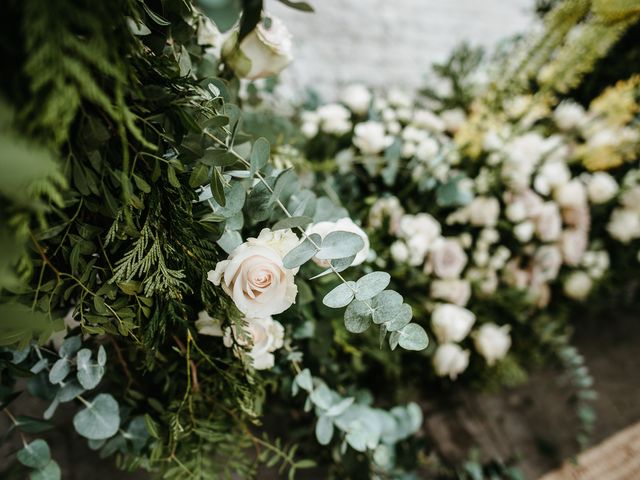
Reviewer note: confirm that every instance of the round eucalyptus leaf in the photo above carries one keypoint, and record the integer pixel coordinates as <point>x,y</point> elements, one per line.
<point>304,380</point>
<point>372,284</point>
<point>51,471</point>
<point>413,337</point>
<point>70,346</point>
<point>70,391</point>
<point>89,373</point>
<point>386,306</point>
<point>102,356</point>
<point>401,319</point>
<point>303,252</point>
<point>324,430</point>
<point>357,317</point>
<point>322,397</point>
<point>100,419</point>
<point>59,370</point>
<point>340,296</point>
<point>340,244</point>
<point>340,407</point>
<point>35,454</point>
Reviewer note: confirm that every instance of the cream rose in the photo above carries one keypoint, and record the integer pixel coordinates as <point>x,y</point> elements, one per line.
<point>577,285</point>
<point>447,259</point>
<point>548,222</point>
<point>357,97</point>
<point>265,335</point>
<point>343,225</point>
<point>455,291</point>
<point>624,225</point>
<point>601,187</point>
<point>370,137</point>
<point>492,342</point>
<point>255,277</point>
<point>266,51</point>
<point>484,211</point>
<point>450,360</point>
<point>334,118</point>
<point>451,323</point>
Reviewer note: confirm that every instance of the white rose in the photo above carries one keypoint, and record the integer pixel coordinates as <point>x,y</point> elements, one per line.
<point>450,360</point>
<point>549,222</point>
<point>573,244</point>
<point>455,291</point>
<point>266,51</point>
<point>451,323</point>
<point>334,118</point>
<point>601,187</point>
<point>569,115</point>
<point>386,206</point>
<point>624,225</point>
<point>547,262</point>
<point>577,285</point>
<point>427,149</point>
<point>255,277</point>
<point>261,337</point>
<point>571,194</point>
<point>428,120</point>
<point>399,251</point>
<point>343,225</point>
<point>357,97</point>
<point>484,211</point>
<point>398,98</point>
<point>421,225</point>
<point>492,342</point>
<point>550,176</point>
<point>524,231</point>
<point>370,137</point>
<point>448,259</point>
<point>516,211</point>
<point>631,198</point>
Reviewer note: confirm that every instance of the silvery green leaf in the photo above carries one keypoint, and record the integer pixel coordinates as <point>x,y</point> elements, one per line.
<point>393,340</point>
<point>51,409</point>
<point>291,222</point>
<point>229,240</point>
<point>413,337</point>
<point>357,317</point>
<point>137,433</point>
<point>340,244</point>
<point>70,346</point>
<point>102,356</point>
<point>100,419</point>
<point>70,391</point>
<point>35,454</point>
<point>260,152</point>
<point>403,317</point>
<point>340,296</point>
<point>386,306</point>
<point>39,366</point>
<point>321,397</point>
<point>339,407</point>
<point>235,197</point>
<point>383,334</point>
<point>59,370</point>
<point>357,436</point>
<point>51,471</point>
<point>302,204</point>
<point>304,380</point>
<point>339,264</point>
<point>304,252</point>
<point>89,373</point>
<point>371,285</point>
<point>415,417</point>
<point>326,210</point>
<point>382,456</point>
<point>324,430</point>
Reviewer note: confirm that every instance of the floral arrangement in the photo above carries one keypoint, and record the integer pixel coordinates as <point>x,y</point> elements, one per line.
<point>191,271</point>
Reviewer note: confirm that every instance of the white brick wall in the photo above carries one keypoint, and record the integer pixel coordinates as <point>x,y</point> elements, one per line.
<point>389,42</point>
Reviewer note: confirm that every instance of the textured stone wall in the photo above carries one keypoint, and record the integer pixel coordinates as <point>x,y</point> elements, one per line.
<point>389,42</point>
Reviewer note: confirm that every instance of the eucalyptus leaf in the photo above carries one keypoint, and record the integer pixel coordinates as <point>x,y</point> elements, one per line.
<point>357,317</point>
<point>340,296</point>
<point>402,317</point>
<point>70,346</point>
<point>304,380</point>
<point>229,240</point>
<point>99,419</point>
<point>324,430</point>
<point>35,454</point>
<point>371,285</point>
<point>386,306</point>
<point>413,337</point>
<point>340,244</point>
<point>260,152</point>
<point>69,391</point>
<point>291,222</point>
<point>340,407</point>
<point>59,370</point>
<point>51,471</point>
<point>304,252</point>
<point>89,373</point>
<point>322,397</point>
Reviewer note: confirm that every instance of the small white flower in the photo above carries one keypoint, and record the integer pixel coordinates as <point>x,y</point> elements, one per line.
<point>370,137</point>
<point>427,149</point>
<point>483,211</point>
<point>450,360</point>
<point>516,211</point>
<point>344,225</point>
<point>399,251</point>
<point>524,231</point>
<point>451,323</point>
<point>548,222</point>
<point>601,187</point>
<point>624,225</point>
<point>577,285</point>
<point>447,258</point>
<point>456,291</point>
<point>453,119</point>
<point>571,194</point>
<point>397,98</point>
<point>569,115</point>
<point>428,120</point>
<point>357,97</point>
<point>492,342</point>
<point>334,118</point>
